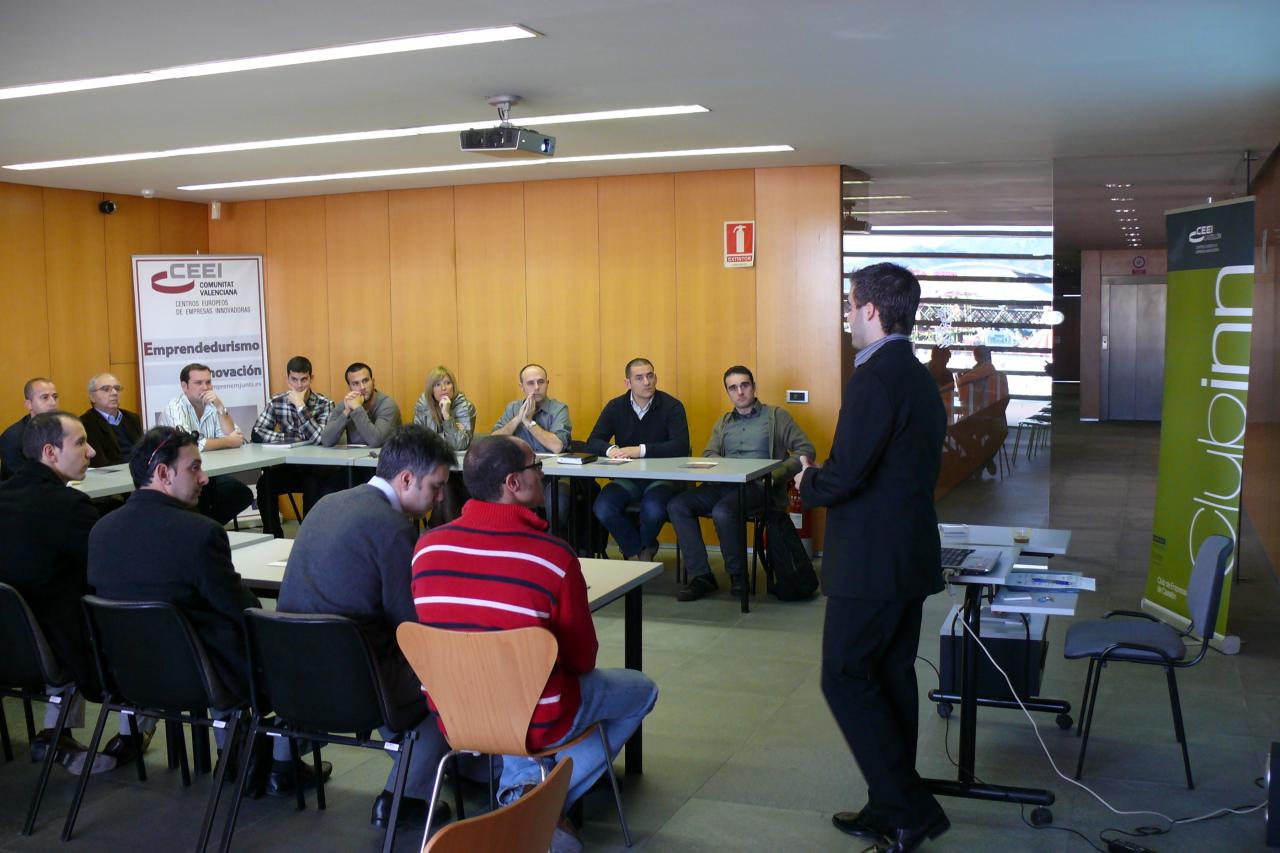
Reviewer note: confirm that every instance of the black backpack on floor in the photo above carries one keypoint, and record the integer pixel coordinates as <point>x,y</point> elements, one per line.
<point>790,571</point>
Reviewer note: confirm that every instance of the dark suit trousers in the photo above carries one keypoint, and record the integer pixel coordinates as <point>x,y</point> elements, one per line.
<point>869,680</point>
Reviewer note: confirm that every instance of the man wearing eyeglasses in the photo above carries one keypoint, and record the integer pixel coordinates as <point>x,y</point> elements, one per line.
<point>497,569</point>
<point>112,431</point>
<point>39,395</point>
<point>199,410</point>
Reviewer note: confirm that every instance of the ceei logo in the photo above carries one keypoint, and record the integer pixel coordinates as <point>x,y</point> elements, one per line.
<point>169,288</point>
<point>1198,235</point>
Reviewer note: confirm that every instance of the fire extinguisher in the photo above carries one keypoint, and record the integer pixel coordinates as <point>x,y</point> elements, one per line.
<point>799,517</point>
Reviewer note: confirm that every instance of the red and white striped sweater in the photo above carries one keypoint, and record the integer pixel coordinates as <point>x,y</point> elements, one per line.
<point>496,568</point>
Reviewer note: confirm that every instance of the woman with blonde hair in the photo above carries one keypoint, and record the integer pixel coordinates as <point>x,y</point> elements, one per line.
<point>445,410</point>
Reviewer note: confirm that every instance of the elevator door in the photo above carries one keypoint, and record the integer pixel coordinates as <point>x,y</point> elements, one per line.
<point>1134,350</point>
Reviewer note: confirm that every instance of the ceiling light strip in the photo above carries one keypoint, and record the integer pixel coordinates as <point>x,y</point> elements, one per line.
<point>497,164</point>
<point>457,38</point>
<point>358,136</point>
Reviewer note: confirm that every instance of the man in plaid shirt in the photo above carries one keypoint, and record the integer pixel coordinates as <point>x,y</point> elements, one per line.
<point>292,416</point>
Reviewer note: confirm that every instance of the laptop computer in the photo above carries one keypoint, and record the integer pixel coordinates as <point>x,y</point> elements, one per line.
<point>971,561</point>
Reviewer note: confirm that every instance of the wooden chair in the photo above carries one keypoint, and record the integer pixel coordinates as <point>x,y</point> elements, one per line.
<point>525,826</point>
<point>485,686</point>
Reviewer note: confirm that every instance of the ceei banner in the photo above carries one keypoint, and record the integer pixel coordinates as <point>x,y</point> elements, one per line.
<point>739,244</point>
<point>205,309</point>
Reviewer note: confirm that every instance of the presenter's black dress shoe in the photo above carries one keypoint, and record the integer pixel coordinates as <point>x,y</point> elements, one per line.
<point>697,587</point>
<point>908,839</point>
<point>280,780</point>
<point>412,810</point>
<point>863,824</point>
<point>735,586</point>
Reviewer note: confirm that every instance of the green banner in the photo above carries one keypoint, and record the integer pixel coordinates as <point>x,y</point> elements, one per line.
<point>1208,328</point>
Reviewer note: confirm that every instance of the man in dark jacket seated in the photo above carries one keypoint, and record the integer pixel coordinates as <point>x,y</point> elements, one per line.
<point>158,548</point>
<point>112,431</point>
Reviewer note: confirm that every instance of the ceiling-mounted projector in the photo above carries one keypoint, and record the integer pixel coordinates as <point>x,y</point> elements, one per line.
<point>507,140</point>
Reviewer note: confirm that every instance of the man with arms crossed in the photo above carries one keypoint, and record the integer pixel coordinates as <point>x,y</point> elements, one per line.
<point>882,555</point>
<point>199,409</point>
<point>296,415</point>
<point>38,395</point>
<point>366,415</point>
<point>496,568</point>
<point>752,430</point>
<point>112,431</point>
<point>352,558</point>
<point>643,422</point>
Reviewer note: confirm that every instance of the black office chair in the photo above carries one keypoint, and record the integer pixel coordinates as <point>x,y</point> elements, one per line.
<point>152,664</point>
<point>1105,640</point>
<point>316,673</point>
<point>26,668</point>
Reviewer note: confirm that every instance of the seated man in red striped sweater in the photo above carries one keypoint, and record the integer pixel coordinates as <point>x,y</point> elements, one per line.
<point>496,568</point>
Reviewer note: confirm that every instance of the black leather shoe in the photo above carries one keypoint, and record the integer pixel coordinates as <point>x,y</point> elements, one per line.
<point>697,587</point>
<point>860,823</point>
<point>905,840</point>
<point>120,747</point>
<point>280,781</point>
<point>412,810</point>
<point>735,587</point>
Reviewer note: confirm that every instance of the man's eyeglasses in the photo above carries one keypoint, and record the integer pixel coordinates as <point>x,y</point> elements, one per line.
<point>116,388</point>
<point>170,439</point>
<point>535,465</point>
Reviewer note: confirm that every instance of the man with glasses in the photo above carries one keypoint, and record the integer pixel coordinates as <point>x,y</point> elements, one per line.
<point>112,431</point>
<point>351,557</point>
<point>39,395</point>
<point>294,416</point>
<point>497,569</point>
<point>200,411</point>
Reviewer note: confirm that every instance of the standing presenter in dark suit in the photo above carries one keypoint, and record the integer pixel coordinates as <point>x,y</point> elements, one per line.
<point>882,556</point>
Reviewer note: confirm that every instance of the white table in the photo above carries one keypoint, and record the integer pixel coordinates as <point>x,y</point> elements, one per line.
<point>240,539</point>
<point>1044,541</point>
<point>682,469</point>
<point>262,568</point>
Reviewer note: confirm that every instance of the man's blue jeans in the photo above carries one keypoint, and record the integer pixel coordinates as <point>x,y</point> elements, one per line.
<point>611,509</point>
<point>617,698</point>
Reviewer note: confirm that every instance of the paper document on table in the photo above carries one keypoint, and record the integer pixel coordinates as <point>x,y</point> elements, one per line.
<point>698,465</point>
<point>953,530</point>
<point>621,460</point>
<point>280,563</point>
<point>1047,580</point>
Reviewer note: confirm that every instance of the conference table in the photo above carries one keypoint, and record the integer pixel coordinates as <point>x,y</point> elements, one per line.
<point>262,568</point>
<point>680,469</point>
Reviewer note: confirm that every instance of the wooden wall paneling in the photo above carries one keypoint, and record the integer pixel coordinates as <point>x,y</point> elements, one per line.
<point>184,227</point>
<point>637,281</point>
<point>24,346</point>
<point>562,288</point>
<point>424,302</point>
<point>489,236</point>
<point>715,307</point>
<point>242,229</point>
<point>134,229</point>
<point>798,268</point>
<point>297,298</point>
<point>75,275</point>
<point>360,284</point>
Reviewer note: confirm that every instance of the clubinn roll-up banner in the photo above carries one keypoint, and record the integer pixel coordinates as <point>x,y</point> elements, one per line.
<point>1208,328</point>
<point>205,309</point>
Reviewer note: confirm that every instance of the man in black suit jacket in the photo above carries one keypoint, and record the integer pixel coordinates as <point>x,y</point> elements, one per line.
<point>113,431</point>
<point>45,530</point>
<point>881,555</point>
<point>157,548</point>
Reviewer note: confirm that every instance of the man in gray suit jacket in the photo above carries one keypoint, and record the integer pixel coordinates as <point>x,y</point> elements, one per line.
<point>352,557</point>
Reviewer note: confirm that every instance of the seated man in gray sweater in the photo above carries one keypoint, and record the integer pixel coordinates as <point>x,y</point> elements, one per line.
<point>365,415</point>
<point>750,430</point>
<point>352,557</point>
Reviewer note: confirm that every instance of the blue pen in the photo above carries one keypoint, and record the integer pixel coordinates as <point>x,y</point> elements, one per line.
<point>1053,581</point>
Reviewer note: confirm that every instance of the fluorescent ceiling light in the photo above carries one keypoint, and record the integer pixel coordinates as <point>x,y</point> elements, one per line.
<point>1048,229</point>
<point>359,136</point>
<point>896,212</point>
<point>872,197</point>
<point>847,183</point>
<point>491,164</point>
<point>1117,186</point>
<point>277,60</point>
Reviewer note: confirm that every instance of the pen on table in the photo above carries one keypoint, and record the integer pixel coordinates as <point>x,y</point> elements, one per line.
<point>1053,581</point>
